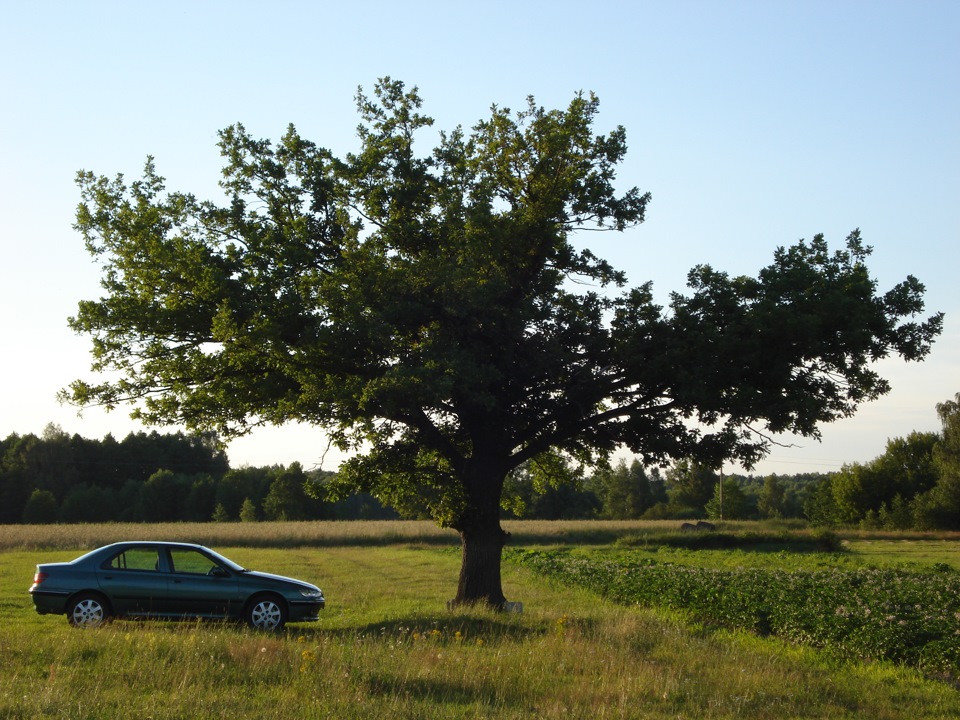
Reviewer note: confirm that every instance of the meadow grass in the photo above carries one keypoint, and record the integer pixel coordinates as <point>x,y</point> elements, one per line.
<point>386,647</point>
<point>319,533</point>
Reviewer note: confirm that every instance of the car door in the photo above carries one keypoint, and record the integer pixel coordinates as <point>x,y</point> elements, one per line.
<point>200,586</point>
<point>134,582</point>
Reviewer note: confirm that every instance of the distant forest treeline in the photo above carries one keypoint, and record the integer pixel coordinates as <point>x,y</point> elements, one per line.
<point>153,477</point>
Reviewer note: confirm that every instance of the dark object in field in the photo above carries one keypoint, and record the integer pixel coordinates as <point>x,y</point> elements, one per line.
<point>701,526</point>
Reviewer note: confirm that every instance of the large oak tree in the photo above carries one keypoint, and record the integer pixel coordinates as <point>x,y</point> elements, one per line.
<point>438,315</point>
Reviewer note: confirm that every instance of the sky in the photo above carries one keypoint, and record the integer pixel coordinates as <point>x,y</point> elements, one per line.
<point>752,123</point>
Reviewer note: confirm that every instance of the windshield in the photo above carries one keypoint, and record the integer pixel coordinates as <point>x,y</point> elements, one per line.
<point>226,561</point>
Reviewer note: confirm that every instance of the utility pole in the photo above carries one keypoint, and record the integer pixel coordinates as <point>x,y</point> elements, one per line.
<point>721,492</point>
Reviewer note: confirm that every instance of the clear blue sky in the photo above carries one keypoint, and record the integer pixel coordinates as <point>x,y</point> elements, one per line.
<point>752,123</point>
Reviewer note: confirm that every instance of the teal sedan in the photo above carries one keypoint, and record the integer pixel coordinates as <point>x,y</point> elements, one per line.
<point>169,580</point>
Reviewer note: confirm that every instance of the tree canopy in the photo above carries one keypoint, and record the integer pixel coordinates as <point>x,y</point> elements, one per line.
<point>437,316</point>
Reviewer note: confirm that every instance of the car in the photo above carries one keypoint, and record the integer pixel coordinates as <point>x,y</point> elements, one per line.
<point>172,580</point>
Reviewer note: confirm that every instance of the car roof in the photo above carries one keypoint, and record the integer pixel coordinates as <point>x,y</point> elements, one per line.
<point>157,543</point>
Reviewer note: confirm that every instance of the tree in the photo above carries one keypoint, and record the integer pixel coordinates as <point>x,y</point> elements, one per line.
<point>906,469</point>
<point>691,485</point>
<point>625,491</point>
<point>88,504</point>
<point>200,502</point>
<point>773,498</point>
<point>286,499</point>
<point>820,507</point>
<point>162,497</point>
<point>548,488</point>
<point>434,314</point>
<point>41,508</point>
<point>939,507</point>
<point>18,479</point>
<point>729,504</point>
<point>248,511</point>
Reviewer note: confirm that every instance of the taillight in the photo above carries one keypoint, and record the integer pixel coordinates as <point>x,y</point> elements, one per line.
<point>39,577</point>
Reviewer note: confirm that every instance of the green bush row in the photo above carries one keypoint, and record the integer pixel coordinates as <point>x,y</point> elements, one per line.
<point>869,614</point>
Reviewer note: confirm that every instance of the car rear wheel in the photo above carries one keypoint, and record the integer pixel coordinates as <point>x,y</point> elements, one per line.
<point>266,612</point>
<point>87,611</point>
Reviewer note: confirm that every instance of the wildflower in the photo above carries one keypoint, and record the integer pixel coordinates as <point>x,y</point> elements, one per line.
<point>307,658</point>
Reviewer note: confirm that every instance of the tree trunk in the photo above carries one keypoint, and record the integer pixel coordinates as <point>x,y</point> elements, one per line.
<point>480,566</point>
<point>481,541</point>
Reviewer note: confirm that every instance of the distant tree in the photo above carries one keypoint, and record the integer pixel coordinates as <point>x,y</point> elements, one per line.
<point>905,470</point>
<point>287,499</point>
<point>54,467</point>
<point>565,502</point>
<point>231,492</point>
<point>799,489</point>
<point>690,485</point>
<point>41,508</point>
<point>732,504</point>
<point>939,507</point>
<point>947,450</point>
<point>248,511</point>
<point>241,483</point>
<point>357,506</point>
<point>199,503</point>
<point>772,502</point>
<point>88,504</point>
<point>162,497</point>
<point>128,501</point>
<point>896,515</point>
<point>625,492</point>
<point>220,514</point>
<point>658,485</point>
<point>548,487</point>
<point>142,454</point>
<point>425,309</point>
<point>910,463</point>
<point>18,476</point>
<point>820,507</point>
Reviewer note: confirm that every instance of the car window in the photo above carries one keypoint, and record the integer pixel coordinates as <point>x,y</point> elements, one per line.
<point>191,561</point>
<point>136,559</point>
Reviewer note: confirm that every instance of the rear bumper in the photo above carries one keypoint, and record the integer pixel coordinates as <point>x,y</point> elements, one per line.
<point>50,602</point>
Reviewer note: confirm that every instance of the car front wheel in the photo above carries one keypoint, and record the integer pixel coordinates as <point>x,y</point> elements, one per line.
<point>87,611</point>
<point>266,613</point>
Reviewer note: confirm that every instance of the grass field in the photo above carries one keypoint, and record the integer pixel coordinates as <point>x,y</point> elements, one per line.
<point>386,647</point>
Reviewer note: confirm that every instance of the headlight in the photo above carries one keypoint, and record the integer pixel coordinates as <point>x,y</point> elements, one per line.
<point>311,593</point>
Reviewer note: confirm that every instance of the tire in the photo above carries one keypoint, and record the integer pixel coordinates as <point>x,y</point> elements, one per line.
<point>88,610</point>
<point>266,612</point>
